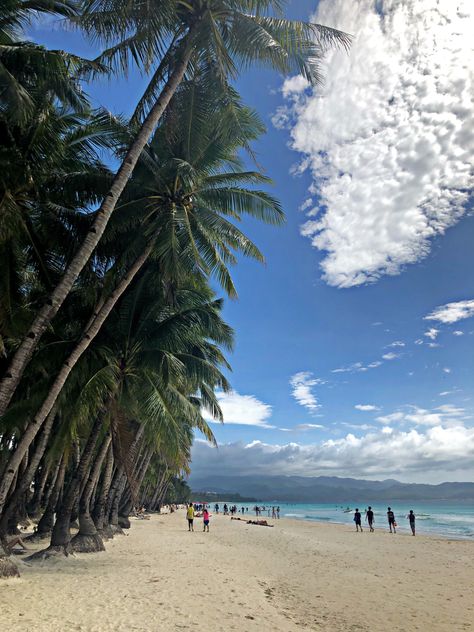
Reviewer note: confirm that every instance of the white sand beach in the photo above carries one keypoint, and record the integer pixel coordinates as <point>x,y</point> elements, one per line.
<point>294,576</point>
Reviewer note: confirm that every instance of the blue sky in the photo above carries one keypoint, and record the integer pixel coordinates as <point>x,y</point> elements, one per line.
<point>385,238</point>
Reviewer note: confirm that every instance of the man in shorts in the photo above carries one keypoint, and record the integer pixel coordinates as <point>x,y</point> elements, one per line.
<point>369,516</point>
<point>391,520</point>
<point>358,520</point>
<point>411,518</point>
<point>190,517</point>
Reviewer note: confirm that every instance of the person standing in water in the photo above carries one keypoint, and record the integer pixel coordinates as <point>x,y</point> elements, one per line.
<point>411,518</point>
<point>190,517</point>
<point>391,520</point>
<point>358,520</point>
<point>369,516</point>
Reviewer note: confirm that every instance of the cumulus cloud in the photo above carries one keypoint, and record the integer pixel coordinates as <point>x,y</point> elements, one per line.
<point>452,312</point>
<point>447,415</point>
<point>366,407</point>
<point>431,333</point>
<point>428,453</point>
<point>302,384</point>
<point>458,333</point>
<point>294,85</point>
<point>246,410</point>
<point>390,356</point>
<point>390,138</point>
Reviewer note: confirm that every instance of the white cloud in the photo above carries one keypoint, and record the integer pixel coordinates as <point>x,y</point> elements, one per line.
<point>419,341</point>
<point>447,369</point>
<point>396,343</point>
<point>390,356</point>
<point>390,138</point>
<point>366,407</point>
<point>447,415</point>
<point>431,333</point>
<point>294,85</point>
<point>302,384</point>
<point>357,367</point>
<point>458,333</point>
<point>452,312</point>
<point>433,345</point>
<point>432,453</point>
<point>246,410</point>
<point>308,427</point>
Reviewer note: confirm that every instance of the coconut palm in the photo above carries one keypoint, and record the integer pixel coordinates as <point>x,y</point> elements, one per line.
<point>190,184</point>
<point>154,363</point>
<point>174,36</point>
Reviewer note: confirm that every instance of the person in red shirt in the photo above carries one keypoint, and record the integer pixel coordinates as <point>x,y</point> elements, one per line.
<point>205,517</point>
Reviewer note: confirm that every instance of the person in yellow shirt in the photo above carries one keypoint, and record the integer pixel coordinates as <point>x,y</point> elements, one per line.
<point>190,517</point>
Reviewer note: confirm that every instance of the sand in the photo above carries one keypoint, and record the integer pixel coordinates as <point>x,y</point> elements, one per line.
<point>295,576</point>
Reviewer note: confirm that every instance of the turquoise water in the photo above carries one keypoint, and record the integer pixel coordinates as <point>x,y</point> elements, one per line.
<point>448,520</point>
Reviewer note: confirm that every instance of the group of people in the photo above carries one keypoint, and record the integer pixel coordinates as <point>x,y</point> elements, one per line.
<point>275,511</point>
<point>230,510</point>
<point>192,512</point>
<point>392,523</point>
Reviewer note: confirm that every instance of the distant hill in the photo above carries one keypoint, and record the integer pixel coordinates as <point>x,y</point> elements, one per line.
<point>330,489</point>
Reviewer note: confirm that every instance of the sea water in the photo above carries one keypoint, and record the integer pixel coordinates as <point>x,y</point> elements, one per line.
<point>448,520</point>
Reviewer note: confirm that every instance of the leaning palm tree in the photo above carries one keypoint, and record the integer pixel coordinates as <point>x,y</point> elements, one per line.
<point>171,37</point>
<point>182,206</point>
<point>154,363</point>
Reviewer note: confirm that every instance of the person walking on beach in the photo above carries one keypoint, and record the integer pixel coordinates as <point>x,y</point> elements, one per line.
<point>369,516</point>
<point>216,508</point>
<point>205,518</point>
<point>391,520</point>
<point>190,517</point>
<point>358,520</point>
<point>411,518</point>
<point>278,513</point>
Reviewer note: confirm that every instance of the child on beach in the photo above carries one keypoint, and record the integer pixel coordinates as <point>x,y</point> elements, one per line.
<point>411,518</point>
<point>205,517</point>
<point>358,519</point>
<point>190,517</point>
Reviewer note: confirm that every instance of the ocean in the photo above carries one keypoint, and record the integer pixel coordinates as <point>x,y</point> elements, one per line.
<point>449,520</point>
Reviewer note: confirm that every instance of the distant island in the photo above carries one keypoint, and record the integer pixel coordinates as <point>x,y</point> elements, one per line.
<point>326,489</point>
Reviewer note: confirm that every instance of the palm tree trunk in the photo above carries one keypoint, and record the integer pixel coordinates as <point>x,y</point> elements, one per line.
<point>87,337</point>
<point>12,377</point>
<point>87,540</point>
<point>42,476</point>
<point>25,479</point>
<point>46,523</point>
<point>60,537</point>
<point>98,514</point>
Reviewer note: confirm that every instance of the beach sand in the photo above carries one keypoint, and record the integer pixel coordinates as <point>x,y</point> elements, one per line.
<point>295,576</point>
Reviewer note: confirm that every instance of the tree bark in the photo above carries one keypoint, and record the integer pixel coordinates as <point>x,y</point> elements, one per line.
<point>87,540</point>
<point>87,337</point>
<point>13,375</point>
<point>41,479</point>
<point>46,523</point>
<point>60,537</point>
<point>25,479</point>
<point>98,514</point>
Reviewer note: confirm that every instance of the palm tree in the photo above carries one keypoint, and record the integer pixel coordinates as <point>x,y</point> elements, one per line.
<point>155,363</point>
<point>233,33</point>
<point>190,182</point>
<point>29,72</point>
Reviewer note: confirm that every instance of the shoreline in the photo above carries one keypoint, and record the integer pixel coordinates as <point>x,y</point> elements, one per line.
<point>298,575</point>
<point>381,524</point>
